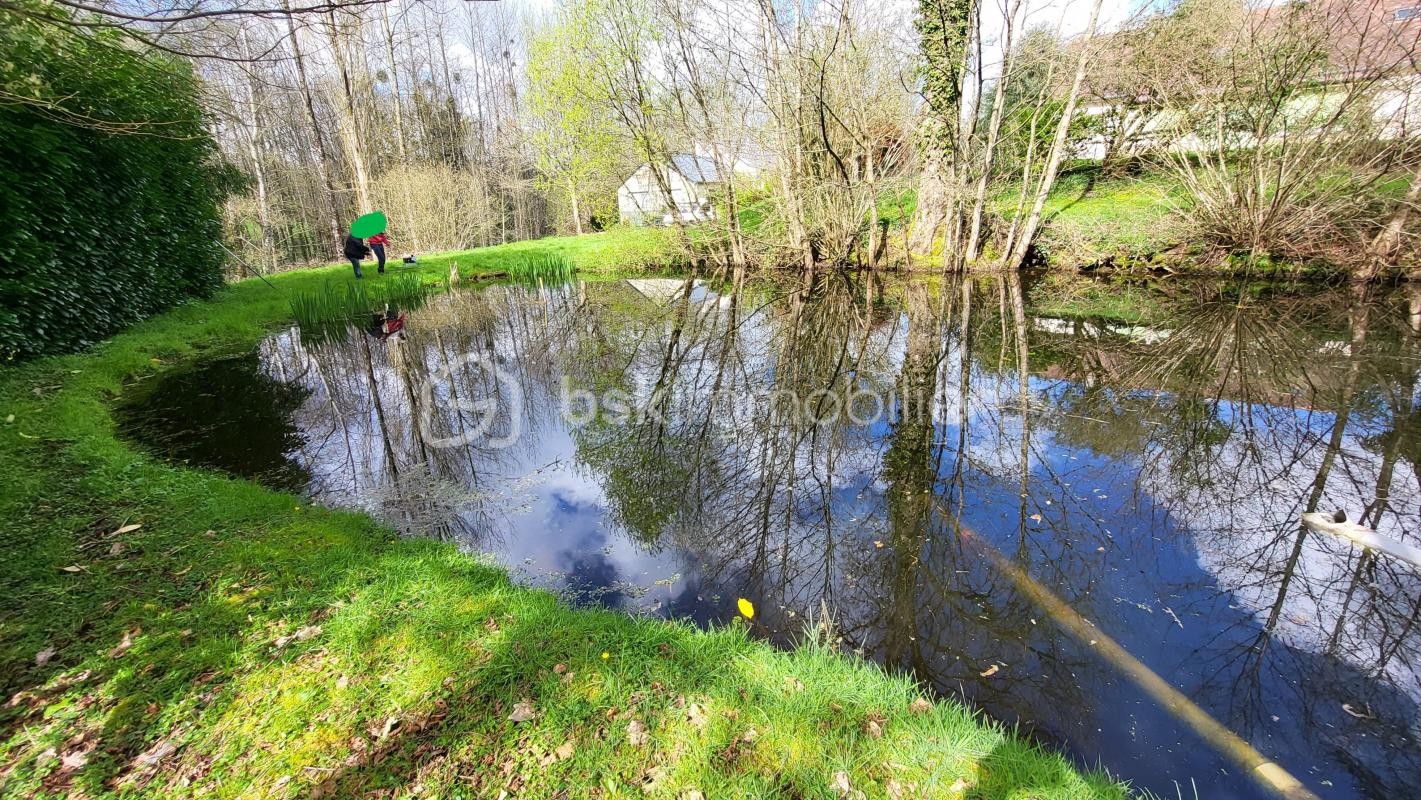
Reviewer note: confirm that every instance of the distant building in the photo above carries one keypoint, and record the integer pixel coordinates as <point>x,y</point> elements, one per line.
<point>692,180</point>
<point>1371,43</point>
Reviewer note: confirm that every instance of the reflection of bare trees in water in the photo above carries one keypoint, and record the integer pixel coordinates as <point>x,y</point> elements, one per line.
<point>1129,470</point>
<point>1264,412</point>
<point>364,443</point>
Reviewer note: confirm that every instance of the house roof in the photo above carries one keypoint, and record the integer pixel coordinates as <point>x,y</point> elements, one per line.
<point>697,169</point>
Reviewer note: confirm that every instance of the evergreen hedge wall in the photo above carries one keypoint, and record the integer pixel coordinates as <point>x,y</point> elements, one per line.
<point>111,185</point>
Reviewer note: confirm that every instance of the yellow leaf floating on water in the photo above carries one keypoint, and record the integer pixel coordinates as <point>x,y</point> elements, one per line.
<point>747,608</point>
<point>990,671</point>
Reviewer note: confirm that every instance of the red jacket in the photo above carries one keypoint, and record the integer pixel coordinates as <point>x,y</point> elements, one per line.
<point>378,238</point>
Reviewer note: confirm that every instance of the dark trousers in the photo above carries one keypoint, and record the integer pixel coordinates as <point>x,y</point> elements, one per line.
<point>379,251</point>
<point>355,262</point>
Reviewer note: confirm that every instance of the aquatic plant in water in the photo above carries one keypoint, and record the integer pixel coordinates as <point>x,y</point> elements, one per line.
<point>325,314</point>
<point>541,268</point>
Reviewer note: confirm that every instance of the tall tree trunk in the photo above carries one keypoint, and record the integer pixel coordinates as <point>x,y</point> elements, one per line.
<point>1388,242</point>
<point>254,150</point>
<point>347,122</point>
<point>334,205</point>
<point>395,86</point>
<point>994,128</point>
<point>576,209</point>
<point>1058,147</point>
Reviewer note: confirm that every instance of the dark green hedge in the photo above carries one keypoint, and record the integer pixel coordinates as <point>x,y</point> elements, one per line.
<point>111,189</point>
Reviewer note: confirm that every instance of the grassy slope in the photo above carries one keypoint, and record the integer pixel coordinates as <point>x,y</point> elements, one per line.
<point>170,677</point>
<point>1120,217</point>
<point>1125,217</point>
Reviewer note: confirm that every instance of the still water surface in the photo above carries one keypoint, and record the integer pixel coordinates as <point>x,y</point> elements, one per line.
<point>864,448</point>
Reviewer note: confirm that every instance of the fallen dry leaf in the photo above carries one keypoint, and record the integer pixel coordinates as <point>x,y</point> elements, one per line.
<point>920,706</point>
<point>878,544</point>
<point>652,778</point>
<point>958,786</point>
<point>873,726</point>
<point>74,760</point>
<point>637,734</point>
<point>155,754</point>
<point>124,643</point>
<point>841,784</point>
<point>522,711</point>
<point>989,671</point>
<point>117,549</point>
<point>302,634</point>
<point>123,530</point>
<point>692,794</point>
<point>1035,518</point>
<point>793,684</point>
<point>43,656</point>
<point>559,668</point>
<point>696,715</point>
<point>74,568</point>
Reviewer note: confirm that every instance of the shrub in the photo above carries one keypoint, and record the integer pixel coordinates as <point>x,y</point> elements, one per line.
<point>112,186</point>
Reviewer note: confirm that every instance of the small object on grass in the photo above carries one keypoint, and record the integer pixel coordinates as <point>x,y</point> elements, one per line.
<point>43,656</point>
<point>637,734</point>
<point>301,635</point>
<point>522,711</point>
<point>606,655</point>
<point>123,530</point>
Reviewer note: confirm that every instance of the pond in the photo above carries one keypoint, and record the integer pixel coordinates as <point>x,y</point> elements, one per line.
<point>976,482</point>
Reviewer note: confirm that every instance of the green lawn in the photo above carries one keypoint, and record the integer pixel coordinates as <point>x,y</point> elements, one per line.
<point>1124,217</point>
<point>168,632</point>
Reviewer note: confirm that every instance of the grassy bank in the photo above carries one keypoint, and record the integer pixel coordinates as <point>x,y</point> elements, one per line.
<point>168,632</point>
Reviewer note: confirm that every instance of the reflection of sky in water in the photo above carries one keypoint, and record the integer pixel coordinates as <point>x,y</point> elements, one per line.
<point>1174,534</point>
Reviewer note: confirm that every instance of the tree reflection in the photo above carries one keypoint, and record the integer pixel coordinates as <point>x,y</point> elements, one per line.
<point>1151,476</point>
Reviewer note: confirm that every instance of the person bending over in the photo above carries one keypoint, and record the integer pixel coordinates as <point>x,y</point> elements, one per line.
<point>377,245</point>
<point>355,250</point>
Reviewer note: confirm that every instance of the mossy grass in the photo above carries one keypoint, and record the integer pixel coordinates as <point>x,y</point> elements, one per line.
<point>242,643</point>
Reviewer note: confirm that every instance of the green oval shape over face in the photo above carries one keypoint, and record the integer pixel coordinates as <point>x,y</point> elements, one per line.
<point>367,225</point>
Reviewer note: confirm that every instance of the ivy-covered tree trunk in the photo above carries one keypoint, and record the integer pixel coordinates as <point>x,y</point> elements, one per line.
<point>943,27</point>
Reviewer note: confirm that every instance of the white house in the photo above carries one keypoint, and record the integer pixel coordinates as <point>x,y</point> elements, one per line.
<point>641,200</point>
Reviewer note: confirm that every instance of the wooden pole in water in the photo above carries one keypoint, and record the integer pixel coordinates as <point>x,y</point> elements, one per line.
<point>1267,773</point>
